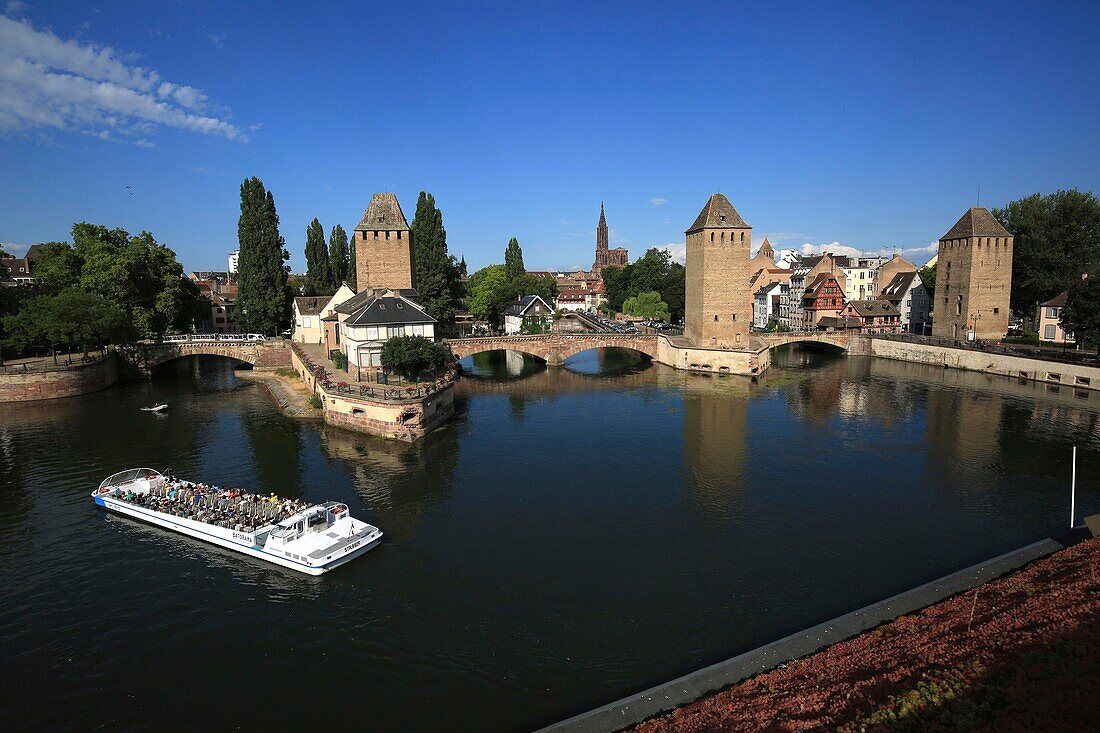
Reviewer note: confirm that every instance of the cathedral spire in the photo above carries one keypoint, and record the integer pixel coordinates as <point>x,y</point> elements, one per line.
<point>601,231</point>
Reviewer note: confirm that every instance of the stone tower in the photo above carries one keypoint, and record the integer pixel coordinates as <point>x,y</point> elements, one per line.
<point>606,257</point>
<point>383,246</point>
<point>973,278</point>
<point>717,304</point>
<point>766,250</point>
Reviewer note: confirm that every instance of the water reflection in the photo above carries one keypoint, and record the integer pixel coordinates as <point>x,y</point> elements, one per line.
<point>502,365</point>
<point>399,481</point>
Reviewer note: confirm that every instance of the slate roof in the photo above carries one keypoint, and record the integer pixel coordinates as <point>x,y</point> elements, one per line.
<point>388,310</point>
<point>868,308</point>
<point>310,305</point>
<point>357,301</point>
<point>520,307</point>
<point>898,287</point>
<point>718,212</point>
<point>820,280</point>
<point>976,222</point>
<point>383,214</point>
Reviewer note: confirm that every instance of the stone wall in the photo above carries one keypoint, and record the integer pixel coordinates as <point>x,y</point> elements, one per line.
<point>717,361</point>
<point>1018,367</point>
<point>48,385</point>
<point>407,420</point>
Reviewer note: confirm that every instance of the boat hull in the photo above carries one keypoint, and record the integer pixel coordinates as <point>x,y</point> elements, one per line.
<point>241,542</point>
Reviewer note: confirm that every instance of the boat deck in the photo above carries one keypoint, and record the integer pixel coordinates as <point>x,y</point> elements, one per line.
<point>228,508</point>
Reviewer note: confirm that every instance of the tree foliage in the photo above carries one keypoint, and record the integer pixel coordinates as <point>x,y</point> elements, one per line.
<point>318,271</point>
<point>411,356</point>
<point>262,304</point>
<point>653,272</point>
<point>1057,237</point>
<point>513,261</point>
<point>928,277</point>
<point>490,295</point>
<point>438,277</point>
<point>1081,316</point>
<point>339,258</point>
<point>137,274</point>
<point>73,318</point>
<point>352,278</point>
<point>647,305</point>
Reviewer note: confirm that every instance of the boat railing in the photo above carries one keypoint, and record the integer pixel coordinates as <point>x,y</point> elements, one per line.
<point>129,476</point>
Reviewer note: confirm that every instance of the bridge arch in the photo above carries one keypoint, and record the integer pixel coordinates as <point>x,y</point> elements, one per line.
<point>553,348</point>
<point>840,342</point>
<point>143,358</point>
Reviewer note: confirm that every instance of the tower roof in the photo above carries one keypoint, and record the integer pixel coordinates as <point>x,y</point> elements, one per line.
<point>977,222</point>
<point>766,248</point>
<point>383,214</point>
<point>603,221</point>
<point>718,212</point>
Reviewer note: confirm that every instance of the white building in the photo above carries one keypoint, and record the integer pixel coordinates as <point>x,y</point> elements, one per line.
<point>767,302</point>
<point>531,312</point>
<point>309,311</point>
<point>859,277</point>
<point>373,317</point>
<point>233,257</point>
<point>788,259</point>
<point>910,296</point>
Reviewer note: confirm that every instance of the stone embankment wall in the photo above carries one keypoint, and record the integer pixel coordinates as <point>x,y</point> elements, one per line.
<point>1018,367</point>
<point>407,420</point>
<point>53,384</point>
<point>716,361</point>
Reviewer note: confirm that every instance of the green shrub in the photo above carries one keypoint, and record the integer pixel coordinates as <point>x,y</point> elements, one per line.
<point>286,372</point>
<point>340,359</point>
<point>315,401</point>
<point>410,356</point>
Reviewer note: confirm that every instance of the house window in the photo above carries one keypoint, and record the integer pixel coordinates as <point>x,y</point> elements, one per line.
<point>996,311</point>
<point>1048,331</point>
<point>307,322</point>
<point>733,316</point>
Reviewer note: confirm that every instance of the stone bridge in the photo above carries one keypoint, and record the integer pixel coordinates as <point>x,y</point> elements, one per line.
<point>840,340</point>
<point>140,359</point>
<point>554,348</point>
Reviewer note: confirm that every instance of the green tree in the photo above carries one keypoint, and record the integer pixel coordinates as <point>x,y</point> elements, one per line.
<point>490,295</point>
<point>318,271</point>
<point>513,261</point>
<point>540,285</point>
<point>438,278</point>
<point>1081,316</point>
<point>73,318</point>
<point>138,274</point>
<point>647,305</point>
<point>411,356</point>
<point>352,277</point>
<point>338,257</point>
<point>1057,237</point>
<point>56,267</point>
<point>928,277</point>
<point>674,290</point>
<point>262,303</point>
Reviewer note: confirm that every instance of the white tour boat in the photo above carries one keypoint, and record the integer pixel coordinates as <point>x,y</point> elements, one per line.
<point>309,538</point>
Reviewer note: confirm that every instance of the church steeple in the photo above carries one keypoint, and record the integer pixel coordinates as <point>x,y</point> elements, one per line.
<point>601,232</point>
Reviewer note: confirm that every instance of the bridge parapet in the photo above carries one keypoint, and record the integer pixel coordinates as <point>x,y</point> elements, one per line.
<point>140,359</point>
<point>837,339</point>
<point>553,348</point>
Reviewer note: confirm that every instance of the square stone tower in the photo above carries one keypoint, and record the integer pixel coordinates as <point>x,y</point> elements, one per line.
<point>973,278</point>
<point>717,305</point>
<point>383,246</point>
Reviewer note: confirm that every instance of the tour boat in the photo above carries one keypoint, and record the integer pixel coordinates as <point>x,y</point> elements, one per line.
<point>156,408</point>
<point>309,538</point>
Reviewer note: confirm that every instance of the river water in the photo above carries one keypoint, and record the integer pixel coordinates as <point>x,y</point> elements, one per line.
<point>574,536</point>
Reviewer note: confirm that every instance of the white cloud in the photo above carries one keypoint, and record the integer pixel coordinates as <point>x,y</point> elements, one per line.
<point>143,143</point>
<point>613,237</point>
<point>834,248</point>
<point>658,201</point>
<point>218,39</point>
<point>15,7</point>
<point>677,250</point>
<point>46,82</point>
<point>565,223</point>
<point>14,249</point>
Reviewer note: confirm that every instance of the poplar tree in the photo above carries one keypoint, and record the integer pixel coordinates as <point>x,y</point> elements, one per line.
<point>352,278</point>
<point>513,261</point>
<point>437,274</point>
<point>338,256</point>
<point>261,272</point>
<point>318,272</point>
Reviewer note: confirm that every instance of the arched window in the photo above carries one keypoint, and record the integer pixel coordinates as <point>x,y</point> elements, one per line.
<point>959,306</point>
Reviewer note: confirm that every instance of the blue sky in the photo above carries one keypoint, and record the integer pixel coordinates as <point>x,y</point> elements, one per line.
<point>867,125</point>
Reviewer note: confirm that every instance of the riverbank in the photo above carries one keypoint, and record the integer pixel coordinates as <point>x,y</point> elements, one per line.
<point>1018,653</point>
<point>289,392</point>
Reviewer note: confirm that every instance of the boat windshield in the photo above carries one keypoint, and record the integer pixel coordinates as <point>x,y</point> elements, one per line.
<point>124,477</point>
